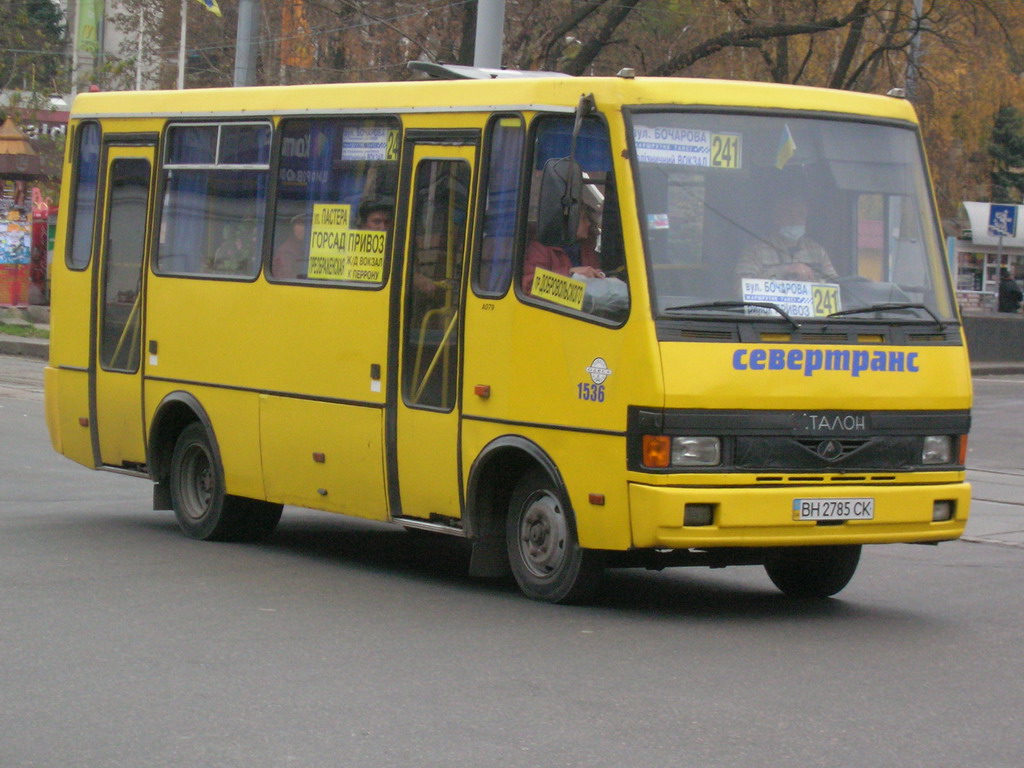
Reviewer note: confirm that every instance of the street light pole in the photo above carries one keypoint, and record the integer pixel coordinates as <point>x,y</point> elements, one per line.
<point>245,43</point>
<point>181,44</point>
<point>913,65</point>
<point>138,54</point>
<point>490,30</point>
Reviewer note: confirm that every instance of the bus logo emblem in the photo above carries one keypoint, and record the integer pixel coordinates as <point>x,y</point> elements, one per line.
<point>598,370</point>
<point>830,450</point>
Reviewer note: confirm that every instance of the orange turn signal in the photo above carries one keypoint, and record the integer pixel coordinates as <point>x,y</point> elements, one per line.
<point>657,450</point>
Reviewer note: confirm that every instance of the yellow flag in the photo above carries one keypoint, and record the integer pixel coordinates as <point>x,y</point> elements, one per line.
<point>787,148</point>
<point>211,6</point>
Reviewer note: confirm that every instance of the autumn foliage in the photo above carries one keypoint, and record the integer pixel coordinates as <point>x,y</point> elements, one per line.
<point>969,54</point>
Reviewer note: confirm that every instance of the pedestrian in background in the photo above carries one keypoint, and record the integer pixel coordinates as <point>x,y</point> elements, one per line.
<point>1010,294</point>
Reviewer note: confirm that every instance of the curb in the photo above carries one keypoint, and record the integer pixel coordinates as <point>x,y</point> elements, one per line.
<point>997,369</point>
<point>15,345</point>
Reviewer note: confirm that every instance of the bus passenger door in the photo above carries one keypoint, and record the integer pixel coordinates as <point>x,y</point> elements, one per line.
<point>117,363</point>
<point>424,446</point>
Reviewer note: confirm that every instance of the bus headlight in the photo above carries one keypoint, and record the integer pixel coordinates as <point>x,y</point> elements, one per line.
<point>937,449</point>
<point>662,451</point>
<point>696,451</point>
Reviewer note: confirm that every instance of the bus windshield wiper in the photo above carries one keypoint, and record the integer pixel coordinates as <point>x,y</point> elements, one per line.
<point>891,307</point>
<point>736,305</point>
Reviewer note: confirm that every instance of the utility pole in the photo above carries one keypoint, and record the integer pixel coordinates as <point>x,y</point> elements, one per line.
<point>181,44</point>
<point>245,43</point>
<point>138,52</point>
<point>914,63</point>
<point>73,20</point>
<point>490,32</point>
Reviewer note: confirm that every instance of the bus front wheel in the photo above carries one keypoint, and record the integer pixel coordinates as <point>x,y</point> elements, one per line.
<point>544,554</point>
<point>812,572</point>
<point>201,505</point>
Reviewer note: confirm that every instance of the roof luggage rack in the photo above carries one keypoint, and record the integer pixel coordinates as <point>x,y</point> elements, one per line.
<point>462,72</point>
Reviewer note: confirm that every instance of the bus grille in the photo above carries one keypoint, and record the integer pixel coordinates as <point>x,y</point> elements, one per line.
<point>801,454</point>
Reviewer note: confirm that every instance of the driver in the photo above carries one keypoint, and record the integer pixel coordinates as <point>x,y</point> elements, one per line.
<point>580,258</point>
<point>788,254</point>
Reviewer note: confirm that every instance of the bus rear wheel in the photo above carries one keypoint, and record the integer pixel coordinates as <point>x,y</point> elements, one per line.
<point>201,505</point>
<point>813,572</point>
<point>543,551</point>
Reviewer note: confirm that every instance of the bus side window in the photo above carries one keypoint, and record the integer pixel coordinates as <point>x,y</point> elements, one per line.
<point>332,172</point>
<point>500,205</point>
<point>216,178</point>
<point>87,167</point>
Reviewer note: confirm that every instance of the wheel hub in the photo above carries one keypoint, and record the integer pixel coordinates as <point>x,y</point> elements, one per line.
<point>199,483</point>
<point>543,531</point>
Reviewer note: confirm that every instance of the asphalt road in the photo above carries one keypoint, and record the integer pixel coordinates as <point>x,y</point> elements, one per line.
<point>340,643</point>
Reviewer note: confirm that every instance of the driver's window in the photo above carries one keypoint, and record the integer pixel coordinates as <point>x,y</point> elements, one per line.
<point>588,276</point>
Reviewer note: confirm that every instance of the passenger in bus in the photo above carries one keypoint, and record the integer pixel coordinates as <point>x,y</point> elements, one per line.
<point>787,253</point>
<point>291,256</point>
<point>580,258</point>
<point>376,213</point>
<point>236,254</point>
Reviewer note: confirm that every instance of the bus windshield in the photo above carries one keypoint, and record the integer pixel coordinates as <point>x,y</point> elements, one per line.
<point>769,216</point>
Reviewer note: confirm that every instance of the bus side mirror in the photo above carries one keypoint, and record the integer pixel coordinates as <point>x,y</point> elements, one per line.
<point>558,212</point>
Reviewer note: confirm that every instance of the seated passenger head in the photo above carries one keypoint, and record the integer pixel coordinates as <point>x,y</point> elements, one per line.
<point>376,213</point>
<point>299,222</point>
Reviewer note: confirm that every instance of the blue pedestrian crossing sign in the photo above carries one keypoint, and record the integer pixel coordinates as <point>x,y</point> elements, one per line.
<point>1002,220</point>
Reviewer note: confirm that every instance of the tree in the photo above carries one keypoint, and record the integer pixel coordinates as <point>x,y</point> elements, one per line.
<point>1006,148</point>
<point>968,52</point>
<point>32,44</point>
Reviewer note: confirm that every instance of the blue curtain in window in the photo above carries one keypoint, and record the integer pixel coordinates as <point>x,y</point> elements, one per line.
<point>205,206</point>
<point>249,145</point>
<point>85,194</point>
<point>503,182</point>
<point>185,199</point>
<point>313,170</point>
<point>555,137</point>
<point>324,136</point>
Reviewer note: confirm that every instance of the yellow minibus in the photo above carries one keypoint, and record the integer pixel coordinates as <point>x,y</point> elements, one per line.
<point>581,323</point>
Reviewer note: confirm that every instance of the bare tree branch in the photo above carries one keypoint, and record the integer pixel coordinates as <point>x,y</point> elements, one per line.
<point>551,46</point>
<point>738,37</point>
<point>853,41</point>
<point>579,64</point>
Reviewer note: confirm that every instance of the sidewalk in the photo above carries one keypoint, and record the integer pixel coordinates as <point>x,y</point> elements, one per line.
<point>26,317</point>
<point>999,493</point>
<point>17,345</point>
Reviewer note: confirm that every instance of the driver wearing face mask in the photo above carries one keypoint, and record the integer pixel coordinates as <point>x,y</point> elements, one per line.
<point>787,253</point>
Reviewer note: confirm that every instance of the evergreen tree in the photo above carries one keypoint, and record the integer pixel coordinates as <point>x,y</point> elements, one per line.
<point>1006,148</point>
<point>32,46</point>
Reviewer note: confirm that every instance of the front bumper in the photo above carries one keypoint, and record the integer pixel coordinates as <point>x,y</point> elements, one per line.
<point>763,516</point>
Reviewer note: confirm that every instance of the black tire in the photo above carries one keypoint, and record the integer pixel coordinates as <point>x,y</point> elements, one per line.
<point>813,572</point>
<point>202,507</point>
<point>543,551</point>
